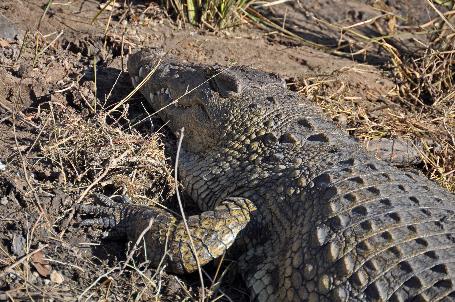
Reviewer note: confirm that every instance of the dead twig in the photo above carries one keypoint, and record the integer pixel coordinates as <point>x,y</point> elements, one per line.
<point>187,229</point>
<point>9,268</point>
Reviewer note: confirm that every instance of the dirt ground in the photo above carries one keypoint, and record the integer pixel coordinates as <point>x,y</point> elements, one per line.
<point>62,70</point>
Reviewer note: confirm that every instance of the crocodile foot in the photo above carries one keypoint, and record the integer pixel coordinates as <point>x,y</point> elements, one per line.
<point>186,243</point>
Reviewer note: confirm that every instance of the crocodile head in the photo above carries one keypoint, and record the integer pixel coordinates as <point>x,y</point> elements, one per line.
<point>208,101</point>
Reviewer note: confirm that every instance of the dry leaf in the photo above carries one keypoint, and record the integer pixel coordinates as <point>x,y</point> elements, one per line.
<point>41,265</point>
<point>56,277</point>
<point>4,43</point>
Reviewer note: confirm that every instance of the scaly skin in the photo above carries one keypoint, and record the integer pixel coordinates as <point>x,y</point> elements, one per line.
<point>332,222</point>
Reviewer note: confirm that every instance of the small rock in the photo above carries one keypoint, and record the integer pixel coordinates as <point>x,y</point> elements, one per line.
<point>22,70</point>
<point>4,201</point>
<point>56,277</point>
<point>18,245</point>
<point>397,151</point>
<point>8,31</point>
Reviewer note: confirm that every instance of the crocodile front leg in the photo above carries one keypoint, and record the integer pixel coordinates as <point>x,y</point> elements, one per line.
<point>212,232</point>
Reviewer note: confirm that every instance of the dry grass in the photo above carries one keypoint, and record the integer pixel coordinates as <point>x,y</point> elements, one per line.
<point>426,85</point>
<point>89,155</point>
<point>420,106</point>
<point>92,153</point>
<point>222,14</point>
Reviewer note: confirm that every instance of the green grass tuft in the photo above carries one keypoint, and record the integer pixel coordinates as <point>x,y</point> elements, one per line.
<point>215,14</point>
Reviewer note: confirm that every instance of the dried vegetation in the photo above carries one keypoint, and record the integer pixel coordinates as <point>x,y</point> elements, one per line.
<point>420,107</point>
<point>216,14</point>
<point>92,153</point>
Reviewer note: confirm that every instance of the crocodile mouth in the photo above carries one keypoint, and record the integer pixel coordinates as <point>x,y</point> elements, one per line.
<point>165,82</point>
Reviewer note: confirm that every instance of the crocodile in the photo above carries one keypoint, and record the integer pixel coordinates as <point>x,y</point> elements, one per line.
<point>307,212</point>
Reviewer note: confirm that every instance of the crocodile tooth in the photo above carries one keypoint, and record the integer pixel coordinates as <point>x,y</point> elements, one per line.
<point>151,97</point>
<point>134,81</point>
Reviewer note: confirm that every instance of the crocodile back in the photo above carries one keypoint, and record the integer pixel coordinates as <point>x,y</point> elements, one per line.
<point>332,222</point>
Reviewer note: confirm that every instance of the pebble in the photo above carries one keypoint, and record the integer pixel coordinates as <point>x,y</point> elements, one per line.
<point>8,31</point>
<point>56,277</point>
